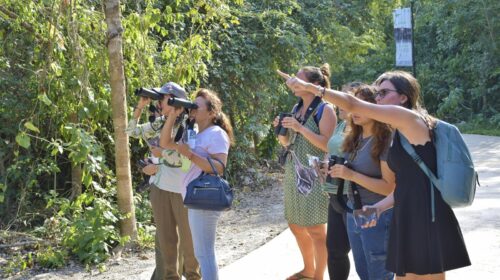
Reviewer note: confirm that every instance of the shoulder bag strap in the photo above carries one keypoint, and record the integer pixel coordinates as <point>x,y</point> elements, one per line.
<point>213,167</point>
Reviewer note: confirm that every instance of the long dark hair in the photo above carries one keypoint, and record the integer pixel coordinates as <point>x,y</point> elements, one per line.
<point>407,85</point>
<point>381,131</point>
<point>214,104</point>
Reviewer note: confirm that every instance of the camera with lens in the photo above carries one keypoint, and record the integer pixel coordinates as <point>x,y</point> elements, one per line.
<point>331,162</point>
<point>148,93</point>
<point>180,102</point>
<point>279,129</point>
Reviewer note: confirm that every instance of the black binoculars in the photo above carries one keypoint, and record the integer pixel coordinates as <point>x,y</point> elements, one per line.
<point>331,162</point>
<point>279,129</point>
<point>144,92</point>
<point>179,102</point>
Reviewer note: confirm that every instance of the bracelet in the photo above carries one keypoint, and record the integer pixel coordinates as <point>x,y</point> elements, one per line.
<point>321,91</point>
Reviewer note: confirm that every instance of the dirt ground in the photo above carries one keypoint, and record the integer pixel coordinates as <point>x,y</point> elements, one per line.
<point>256,218</point>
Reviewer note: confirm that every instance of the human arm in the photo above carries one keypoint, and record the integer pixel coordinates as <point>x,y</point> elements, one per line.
<point>150,169</point>
<point>283,140</point>
<point>325,128</point>
<point>166,139</point>
<point>383,186</point>
<point>202,162</point>
<point>380,207</point>
<point>408,122</point>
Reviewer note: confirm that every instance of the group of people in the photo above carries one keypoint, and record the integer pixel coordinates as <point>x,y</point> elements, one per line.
<point>407,239</point>
<point>185,238</point>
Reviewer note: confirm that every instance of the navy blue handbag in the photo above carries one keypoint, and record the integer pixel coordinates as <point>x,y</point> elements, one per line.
<point>209,191</point>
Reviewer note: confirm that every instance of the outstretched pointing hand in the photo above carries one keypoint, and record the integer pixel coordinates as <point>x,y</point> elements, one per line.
<point>294,83</point>
<point>284,75</point>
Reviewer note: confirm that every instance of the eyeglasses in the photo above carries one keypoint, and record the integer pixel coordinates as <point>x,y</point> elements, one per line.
<point>383,92</point>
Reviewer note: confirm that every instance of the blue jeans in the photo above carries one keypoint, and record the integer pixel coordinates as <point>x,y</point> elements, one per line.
<point>203,224</point>
<point>369,247</point>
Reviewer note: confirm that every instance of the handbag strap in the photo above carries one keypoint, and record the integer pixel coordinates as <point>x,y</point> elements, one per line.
<point>224,173</point>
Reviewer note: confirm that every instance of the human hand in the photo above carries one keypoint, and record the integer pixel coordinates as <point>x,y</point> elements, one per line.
<point>150,169</point>
<point>156,151</point>
<point>291,122</point>
<point>276,121</point>
<point>143,102</point>
<point>294,83</point>
<point>371,213</point>
<point>341,171</point>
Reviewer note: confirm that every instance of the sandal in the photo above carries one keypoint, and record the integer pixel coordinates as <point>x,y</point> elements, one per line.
<point>299,276</point>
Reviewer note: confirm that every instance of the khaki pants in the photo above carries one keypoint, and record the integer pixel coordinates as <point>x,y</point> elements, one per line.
<point>173,237</point>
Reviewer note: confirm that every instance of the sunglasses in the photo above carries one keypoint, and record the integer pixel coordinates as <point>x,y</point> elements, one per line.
<point>383,92</point>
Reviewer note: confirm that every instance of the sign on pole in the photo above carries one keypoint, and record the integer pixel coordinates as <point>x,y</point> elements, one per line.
<point>403,37</point>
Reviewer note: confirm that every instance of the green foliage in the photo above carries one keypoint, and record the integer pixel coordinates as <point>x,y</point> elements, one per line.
<point>55,90</point>
<point>18,263</point>
<point>51,258</point>
<point>86,226</point>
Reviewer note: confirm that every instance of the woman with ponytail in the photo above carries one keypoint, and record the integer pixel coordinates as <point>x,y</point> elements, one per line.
<point>214,137</point>
<point>307,212</point>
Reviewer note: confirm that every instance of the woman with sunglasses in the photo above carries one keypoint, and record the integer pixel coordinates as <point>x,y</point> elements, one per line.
<point>213,140</point>
<point>420,247</point>
<point>365,148</point>
<point>173,243</point>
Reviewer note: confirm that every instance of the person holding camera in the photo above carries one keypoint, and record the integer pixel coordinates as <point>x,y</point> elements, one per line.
<point>366,146</point>
<point>174,248</point>
<point>425,238</point>
<point>215,135</point>
<point>306,210</point>
<point>337,240</point>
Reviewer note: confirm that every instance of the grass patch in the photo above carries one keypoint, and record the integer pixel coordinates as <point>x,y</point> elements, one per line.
<point>481,129</point>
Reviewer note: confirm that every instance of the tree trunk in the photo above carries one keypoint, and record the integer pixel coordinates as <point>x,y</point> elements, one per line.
<point>76,181</point>
<point>119,105</point>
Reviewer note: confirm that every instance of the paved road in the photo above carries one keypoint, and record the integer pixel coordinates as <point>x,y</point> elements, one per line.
<point>480,225</point>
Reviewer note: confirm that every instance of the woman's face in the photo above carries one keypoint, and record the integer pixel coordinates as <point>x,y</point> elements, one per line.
<point>202,113</point>
<point>388,95</point>
<point>359,119</point>
<point>301,75</point>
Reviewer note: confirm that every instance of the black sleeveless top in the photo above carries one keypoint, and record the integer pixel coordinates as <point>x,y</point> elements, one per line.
<point>416,244</point>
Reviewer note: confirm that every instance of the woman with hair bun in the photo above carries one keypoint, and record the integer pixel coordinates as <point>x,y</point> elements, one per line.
<point>307,212</point>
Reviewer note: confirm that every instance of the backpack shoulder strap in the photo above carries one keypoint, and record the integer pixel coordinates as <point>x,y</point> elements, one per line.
<point>411,151</point>
<point>434,181</point>
<point>319,113</point>
<point>312,108</point>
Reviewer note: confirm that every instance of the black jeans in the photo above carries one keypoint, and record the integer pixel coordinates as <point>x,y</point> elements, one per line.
<point>337,243</point>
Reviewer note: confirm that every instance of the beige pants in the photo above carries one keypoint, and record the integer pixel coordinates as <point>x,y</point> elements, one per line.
<point>173,236</point>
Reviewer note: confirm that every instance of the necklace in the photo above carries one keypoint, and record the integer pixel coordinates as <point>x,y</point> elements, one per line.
<point>366,143</point>
<point>356,150</point>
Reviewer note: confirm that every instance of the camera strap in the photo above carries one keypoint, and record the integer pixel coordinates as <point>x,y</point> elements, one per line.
<point>310,110</point>
<point>358,204</point>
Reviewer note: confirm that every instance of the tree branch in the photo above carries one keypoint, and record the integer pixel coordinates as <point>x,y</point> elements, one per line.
<point>14,16</point>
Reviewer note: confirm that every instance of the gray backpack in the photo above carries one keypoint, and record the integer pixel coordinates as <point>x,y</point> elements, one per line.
<point>456,178</point>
